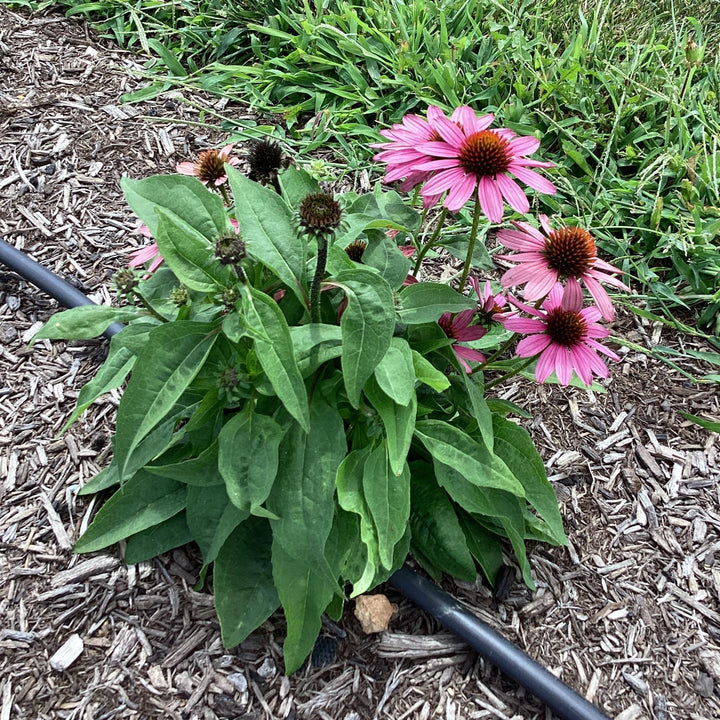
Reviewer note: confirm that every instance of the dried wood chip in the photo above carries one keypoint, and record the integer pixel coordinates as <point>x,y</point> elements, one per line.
<point>87,568</point>
<point>419,646</point>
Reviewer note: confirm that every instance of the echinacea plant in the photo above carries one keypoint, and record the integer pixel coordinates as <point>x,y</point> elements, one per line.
<point>308,410</point>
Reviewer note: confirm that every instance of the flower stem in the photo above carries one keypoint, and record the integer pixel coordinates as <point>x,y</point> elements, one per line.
<point>471,246</point>
<point>499,351</point>
<point>149,307</point>
<point>429,244</point>
<point>224,193</point>
<point>322,242</point>
<point>513,372</point>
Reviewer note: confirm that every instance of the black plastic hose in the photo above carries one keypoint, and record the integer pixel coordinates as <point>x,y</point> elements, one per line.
<point>512,661</point>
<point>47,281</point>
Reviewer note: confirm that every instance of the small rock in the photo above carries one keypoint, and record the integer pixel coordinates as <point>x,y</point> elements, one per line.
<point>183,682</point>
<point>239,682</point>
<point>157,679</point>
<point>267,670</point>
<point>704,685</point>
<point>373,612</point>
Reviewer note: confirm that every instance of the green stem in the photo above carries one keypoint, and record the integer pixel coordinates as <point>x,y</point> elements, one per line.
<point>513,372</point>
<point>471,246</point>
<point>224,193</point>
<point>429,244</point>
<point>322,242</point>
<point>149,307</point>
<point>498,352</point>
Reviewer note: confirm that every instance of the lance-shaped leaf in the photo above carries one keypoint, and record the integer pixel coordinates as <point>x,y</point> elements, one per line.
<point>267,227</point>
<point>517,450</point>
<point>245,595</point>
<point>388,497</point>
<point>436,531</point>
<point>147,544</point>
<point>174,354</point>
<point>395,373</point>
<point>185,197</point>
<point>367,326</point>
<point>478,406</point>
<point>143,501</point>
<point>201,470</point>
<point>383,254</point>
<point>276,353</point>
<point>426,302</point>
<point>315,344</point>
<point>84,322</point>
<point>451,446</point>
<point>248,457</point>
<point>190,255</point>
<point>296,185</point>
<point>428,374</point>
<point>398,421</point>
<point>211,518</point>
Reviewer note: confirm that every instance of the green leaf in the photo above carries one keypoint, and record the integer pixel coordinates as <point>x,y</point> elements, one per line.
<point>452,447</point>
<point>428,374</point>
<point>296,185</point>
<point>245,595</point>
<point>426,301</point>
<point>168,57</point>
<point>154,541</point>
<point>315,344</point>
<point>143,501</point>
<point>84,322</point>
<point>436,531</point>
<point>267,227</point>
<point>517,450</point>
<point>211,518</point>
<point>305,591</point>
<point>190,255</point>
<point>351,498</point>
<point>395,373</point>
<point>459,245</point>
<point>480,410</point>
<point>398,421</point>
<point>201,470</point>
<point>185,197</point>
<point>248,459</point>
<point>485,547</point>
<point>276,354</point>
<point>383,254</point>
<point>174,354</point>
<point>111,375</point>
<point>367,327</point>
<point>387,495</point>
<point>710,425</point>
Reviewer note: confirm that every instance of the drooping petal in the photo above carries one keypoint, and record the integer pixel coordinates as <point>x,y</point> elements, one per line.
<point>524,325</point>
<point>540,285</point>
<point>532,345</point>
<point>600,296</point>
<point>448,131</point>
<point>490,199</point>
<point>186,168</point>
<point>526,145</point>
<point>535,181</point>
<point>442,181</point>
<point>546,363</point>
<point>511,191</point>
<point>563,365</point>
<point>573,298</point>
<point>460,192</point>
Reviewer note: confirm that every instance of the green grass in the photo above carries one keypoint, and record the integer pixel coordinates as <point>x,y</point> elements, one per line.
<point>632,126</point>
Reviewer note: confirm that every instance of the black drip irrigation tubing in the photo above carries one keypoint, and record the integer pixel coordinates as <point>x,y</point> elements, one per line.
<point>509,659</point>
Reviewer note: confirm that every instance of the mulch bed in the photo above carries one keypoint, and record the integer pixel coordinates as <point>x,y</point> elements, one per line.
<point>628,614</point>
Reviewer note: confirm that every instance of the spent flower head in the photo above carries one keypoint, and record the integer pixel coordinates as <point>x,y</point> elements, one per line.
<point>320,213</point>
<point>458,328</point>
<point>209,168</point>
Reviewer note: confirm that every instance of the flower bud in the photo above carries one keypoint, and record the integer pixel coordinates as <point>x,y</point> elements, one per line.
<point>125,281</point>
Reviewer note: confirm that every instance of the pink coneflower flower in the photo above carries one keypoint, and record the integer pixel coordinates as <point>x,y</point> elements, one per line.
<point>210,166</point>
<point>151,253</point>
<point>401,154</point>
<point>475,157</point>
<point>459,329</point>
<point>491,305</point>
<point>569,252</point>
<point>565,334</point>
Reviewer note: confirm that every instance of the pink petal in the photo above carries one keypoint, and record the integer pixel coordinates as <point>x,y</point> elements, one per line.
<point>524,325</point>
<point>601,348</point>
<point>545,223</point>
<point>535,181</point>
<point>600,296</point>
<point>186,168</point>
<point>460,192</point>
<point>512,193</point>
<point>546,363</point>
<point>463,319</point>
<point>540,285</point>
<point>490,199</point>
<point>573,298</point>
<point>448,131</point>
<point>426,164</point>
<point>524,145</point>
<point>518,240</point>
<point>555,297</point>
<point>563,366</point>
<point>442,181</point>
<point>532,345</point>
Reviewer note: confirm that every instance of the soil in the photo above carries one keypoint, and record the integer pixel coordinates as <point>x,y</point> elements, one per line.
<point>628,614</point>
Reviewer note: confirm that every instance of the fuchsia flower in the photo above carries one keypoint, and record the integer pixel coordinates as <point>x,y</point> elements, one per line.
<point>210,166</point>
<point>472,157</point>
<point>459,329</point>
<point>147,253</point>
<point>565,334</point>
<point>569,252</point>
<point>401,154</point>
<point>491,306</point>
<point>152,253</point>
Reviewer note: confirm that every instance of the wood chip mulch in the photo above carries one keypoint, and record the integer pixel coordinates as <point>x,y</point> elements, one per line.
<point>628,614</point>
